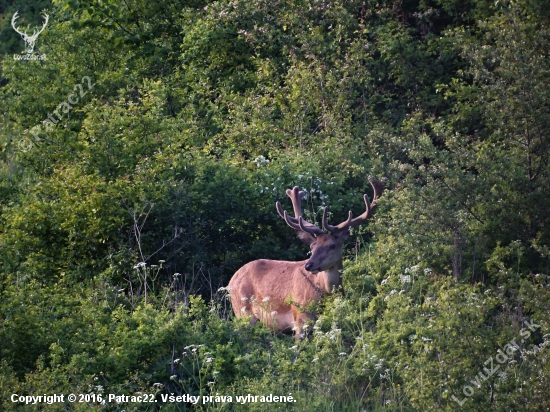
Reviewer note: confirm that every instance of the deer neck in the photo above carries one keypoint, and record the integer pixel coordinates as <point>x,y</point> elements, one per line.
<point>331,278</point>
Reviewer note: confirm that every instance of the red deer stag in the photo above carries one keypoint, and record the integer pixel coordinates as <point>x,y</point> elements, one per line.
<point>273,291</point>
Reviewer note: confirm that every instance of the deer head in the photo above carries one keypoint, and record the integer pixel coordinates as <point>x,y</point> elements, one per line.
<point>29,40</point>
<point>275,291</point>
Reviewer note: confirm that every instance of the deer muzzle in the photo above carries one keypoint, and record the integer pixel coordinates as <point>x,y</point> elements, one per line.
<point>309,267</point>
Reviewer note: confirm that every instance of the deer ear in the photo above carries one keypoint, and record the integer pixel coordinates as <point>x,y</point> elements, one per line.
<point>306,237</point>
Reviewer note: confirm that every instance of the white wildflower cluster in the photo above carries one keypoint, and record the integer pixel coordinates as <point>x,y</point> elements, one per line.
<point>371,358</point>
<point>196,353</point>
<point>339,303</point>
<point>266,189</point>
<point>385,375</point>
<point>261,161</point>
<point>405,278</point>
<point>226,293</point>
<point>392,292</point>
<point>535,349</point>
<point>192,348</point>
<point>412,269</point>
<point>317,193</point>
<point>379,363</point>
<point>503,377</point>
<point>333,333</point>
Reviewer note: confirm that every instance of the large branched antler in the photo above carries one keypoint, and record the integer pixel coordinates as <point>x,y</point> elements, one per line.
<point>298,222</point>
<point>378,187</point>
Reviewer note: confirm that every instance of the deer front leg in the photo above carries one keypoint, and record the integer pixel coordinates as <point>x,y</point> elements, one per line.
<point>300,320</point>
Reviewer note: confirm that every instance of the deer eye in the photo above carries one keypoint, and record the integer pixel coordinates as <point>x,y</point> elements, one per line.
<point>332,246</point>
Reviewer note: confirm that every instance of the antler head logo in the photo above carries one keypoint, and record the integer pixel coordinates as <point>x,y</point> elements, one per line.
<point>29,40</point>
